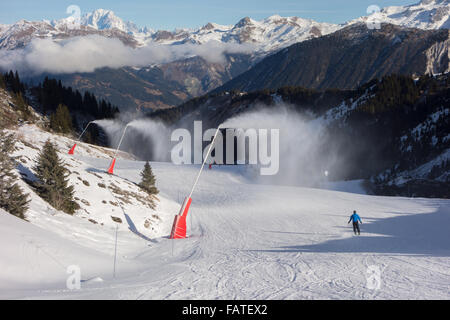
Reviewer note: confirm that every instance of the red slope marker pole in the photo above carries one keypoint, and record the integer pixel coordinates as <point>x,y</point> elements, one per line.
<point>111,166</point>
<point>179,222</point>
<point>113,161</point>
<point>72,150</point>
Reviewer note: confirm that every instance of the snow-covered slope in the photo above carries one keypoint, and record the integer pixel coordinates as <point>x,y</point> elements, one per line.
<point>34,257</point>
<point>427,14</point>
<point>102,197</point>
<point>247,241</point>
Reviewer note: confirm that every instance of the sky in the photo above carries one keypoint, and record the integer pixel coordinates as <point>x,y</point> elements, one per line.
<point>171,14</point>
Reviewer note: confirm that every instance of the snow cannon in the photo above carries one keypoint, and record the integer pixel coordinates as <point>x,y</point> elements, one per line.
<point>71,151</point>
<point>179,222</point>
<point>111,167</point>
<point>113,162</point>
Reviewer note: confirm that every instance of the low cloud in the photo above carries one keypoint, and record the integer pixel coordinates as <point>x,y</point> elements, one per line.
<point>86,54</point>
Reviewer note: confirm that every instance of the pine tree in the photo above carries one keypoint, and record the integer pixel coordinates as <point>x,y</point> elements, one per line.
<point>53,184</point>
<point>22,106</point>
<point>2,82</point>
<point>148,183</point>
<point>61,120</point>
<point>12,198</point>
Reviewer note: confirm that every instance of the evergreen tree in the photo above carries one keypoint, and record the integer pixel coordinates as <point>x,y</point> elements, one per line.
<point>148,182</point>
<point>17,86</point>
<point>13,83</point>
<point>61,120</point>
<point>2,82</point>
<point>52,93</point>
<point>12,198</point>
<point>22,106</point>
<point>53,184</point>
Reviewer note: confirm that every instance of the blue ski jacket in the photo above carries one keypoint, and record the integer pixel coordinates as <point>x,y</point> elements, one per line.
<point>355,218</point>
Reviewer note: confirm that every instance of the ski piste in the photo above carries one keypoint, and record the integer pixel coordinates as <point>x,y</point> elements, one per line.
<point>253,241</point>
<point>365,99</point>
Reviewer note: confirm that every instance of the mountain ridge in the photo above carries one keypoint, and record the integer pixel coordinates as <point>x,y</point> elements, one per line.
<point>271,33</point>
<point>193,76</point>
<point>348,58</point>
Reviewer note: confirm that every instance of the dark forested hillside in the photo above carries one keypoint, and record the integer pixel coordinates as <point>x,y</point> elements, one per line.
<point>155,87</point>
<point>68,110</point>
<point>229,104</point>
<point>394,132</point>
<point>348,58</point>
<point>50,93</point>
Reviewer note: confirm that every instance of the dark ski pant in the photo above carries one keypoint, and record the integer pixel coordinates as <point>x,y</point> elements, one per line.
<point>356,227</point>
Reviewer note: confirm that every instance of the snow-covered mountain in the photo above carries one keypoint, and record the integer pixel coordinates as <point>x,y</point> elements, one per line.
<point>348,58</point>
<point>21,33</point>
<point>269,34</point>
<point>188,75</point>
<point>106,19</point>
<point>3,27</point>
<point>101,19</point>
<point>427,14</point>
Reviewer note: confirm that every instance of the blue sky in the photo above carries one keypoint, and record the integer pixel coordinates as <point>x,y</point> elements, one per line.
<point>170,14</point>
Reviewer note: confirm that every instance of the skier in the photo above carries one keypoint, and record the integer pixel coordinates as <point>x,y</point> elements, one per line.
<point>355,218</point>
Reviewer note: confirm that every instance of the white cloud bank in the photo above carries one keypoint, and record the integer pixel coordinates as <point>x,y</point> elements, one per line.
<point>85,54</point>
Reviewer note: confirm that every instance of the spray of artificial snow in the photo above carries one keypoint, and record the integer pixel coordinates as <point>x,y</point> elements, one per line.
<point>300,144</point>
<point>147,139</point>
<point>304,145</point>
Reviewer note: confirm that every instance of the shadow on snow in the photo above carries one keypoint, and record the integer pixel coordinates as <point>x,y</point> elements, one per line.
<point>425,234</point>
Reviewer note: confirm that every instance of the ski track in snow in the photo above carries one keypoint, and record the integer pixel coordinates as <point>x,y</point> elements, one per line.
<point>253,241</point>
